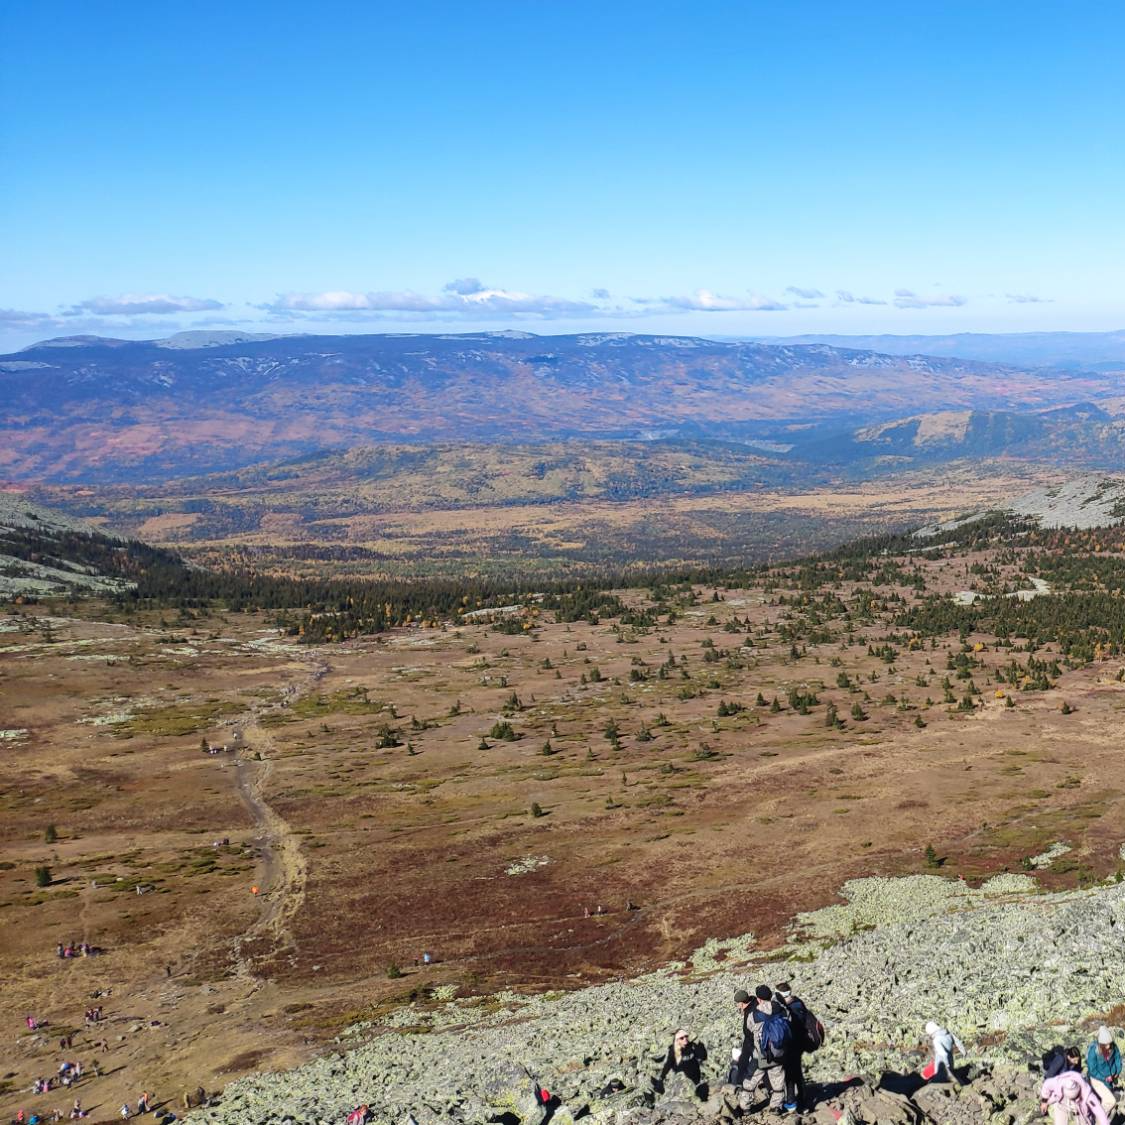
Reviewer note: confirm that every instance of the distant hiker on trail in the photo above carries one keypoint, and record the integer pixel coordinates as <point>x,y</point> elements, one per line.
<point>944,1043</point>
<point>1070,1098</point>
<point>808,1036</point>
<point>686,1058</point>
<point>773,1041</point>
<point>1103,1068</point>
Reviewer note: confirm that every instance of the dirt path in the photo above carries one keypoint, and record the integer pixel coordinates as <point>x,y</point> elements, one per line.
<point>284,870</point>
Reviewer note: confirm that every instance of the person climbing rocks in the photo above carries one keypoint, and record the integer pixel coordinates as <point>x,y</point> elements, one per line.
<point>743,1061</point>
<point>773,1041</point>
<point>944,1043</point>
<point>684,1057</point>
<point>1103,1068</point>
<point>1071,1099</point>
<point>807,1036</point>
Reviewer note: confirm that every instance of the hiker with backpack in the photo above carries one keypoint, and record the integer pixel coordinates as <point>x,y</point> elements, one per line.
<point>807,1035</point>
<point>944,1043</point>
<point>773,1042</point>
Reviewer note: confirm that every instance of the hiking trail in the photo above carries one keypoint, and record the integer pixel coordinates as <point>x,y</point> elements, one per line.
<point>284,869</point>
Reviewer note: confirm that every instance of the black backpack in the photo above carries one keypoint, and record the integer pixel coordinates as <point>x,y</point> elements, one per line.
<point>813,1032</point>
<point>808,1030</point>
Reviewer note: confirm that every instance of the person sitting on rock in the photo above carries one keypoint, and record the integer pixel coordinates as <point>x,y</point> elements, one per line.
<point>686,1058</point>
<point>1071,1099</point>
<point>1103,1068</point>
<point>944,1043</point>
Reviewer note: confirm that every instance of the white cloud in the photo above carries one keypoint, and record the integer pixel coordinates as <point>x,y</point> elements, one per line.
<point>908,299</point>
<point>704,300</point>
<point>464,286</point>
<point>18,318</point>
<point>804,294</point>
<point>133,304</point>
<point>844,297</point>
<point>1027,299</point>
<point>463,297</point>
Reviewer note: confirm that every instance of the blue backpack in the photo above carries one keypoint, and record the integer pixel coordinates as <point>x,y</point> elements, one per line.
<point>776,1036</point>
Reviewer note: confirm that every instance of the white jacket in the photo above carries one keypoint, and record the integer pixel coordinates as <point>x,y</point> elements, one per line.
<point>944,1041</point>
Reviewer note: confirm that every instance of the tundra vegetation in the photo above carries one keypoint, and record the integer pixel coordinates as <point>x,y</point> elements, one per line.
<point>539,785</point>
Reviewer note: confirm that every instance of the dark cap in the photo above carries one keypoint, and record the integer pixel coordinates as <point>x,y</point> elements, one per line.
<point>784,987</point>
<point>742,996</point>
<point>763,992</point>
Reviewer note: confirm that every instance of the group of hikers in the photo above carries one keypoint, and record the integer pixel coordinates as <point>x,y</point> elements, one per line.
<point>778,1030</point>
<point>65,950</point>
<point>1070,1095</point>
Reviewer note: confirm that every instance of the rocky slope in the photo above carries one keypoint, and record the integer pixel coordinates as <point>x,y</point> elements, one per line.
<point>1089,500</point>
<point>44,553</point>
<point>1082,434</point>
<point>129,410</point>
<point>1010,970</point>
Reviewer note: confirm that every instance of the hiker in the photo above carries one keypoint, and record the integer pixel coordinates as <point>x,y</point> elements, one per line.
<point>142,1102</point>
<point>743,1062</point>
<point>1103,1068</point>
<point>686,1058</point>
<point>1071,1098</point>
<point>192,1101</point>
<point>773,1039</point>
<point>944,1043</point>
<point>808,1036</point>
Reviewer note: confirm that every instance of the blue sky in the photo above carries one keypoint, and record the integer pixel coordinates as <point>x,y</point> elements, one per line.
<point>719,169</point>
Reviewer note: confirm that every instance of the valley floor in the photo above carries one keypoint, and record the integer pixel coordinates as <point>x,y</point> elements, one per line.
<point>538,803</point>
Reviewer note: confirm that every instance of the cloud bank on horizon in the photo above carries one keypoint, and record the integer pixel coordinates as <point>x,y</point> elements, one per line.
<point>464,301</point>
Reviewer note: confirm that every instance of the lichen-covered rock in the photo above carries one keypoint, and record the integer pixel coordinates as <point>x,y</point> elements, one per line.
<point>1010,975</point>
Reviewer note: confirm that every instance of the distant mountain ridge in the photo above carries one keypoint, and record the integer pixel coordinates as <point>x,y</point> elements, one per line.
<point>1093,350</point>
<point>114,410</point>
